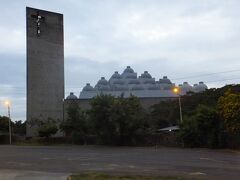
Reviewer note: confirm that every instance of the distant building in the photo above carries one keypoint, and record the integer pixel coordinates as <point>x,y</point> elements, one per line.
<point>145,87</point>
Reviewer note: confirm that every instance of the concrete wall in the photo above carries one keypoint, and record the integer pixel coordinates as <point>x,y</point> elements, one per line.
<point>45,67</point>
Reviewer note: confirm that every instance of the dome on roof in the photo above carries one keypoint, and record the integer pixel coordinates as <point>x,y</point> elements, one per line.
<point>88,87</point>
<point>186,87</point>
<point>102,81</point>
<point>145,75</point>
<point>71,96</point>
<point>131,76</point>
<point>200,87</point>
<point>165,80</point>
<point>102,85</point>
<point>116,75</point>
<point>202,84</point>
<point>195,88</point>
<point>128,70</point>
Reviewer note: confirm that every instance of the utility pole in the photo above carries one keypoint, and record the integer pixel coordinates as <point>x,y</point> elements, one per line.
<point>7,103</point>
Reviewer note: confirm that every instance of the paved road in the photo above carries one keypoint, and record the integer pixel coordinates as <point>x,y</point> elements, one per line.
<point>59,161</point>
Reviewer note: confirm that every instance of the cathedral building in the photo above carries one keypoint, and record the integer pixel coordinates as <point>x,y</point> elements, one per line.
<point>149,90</point>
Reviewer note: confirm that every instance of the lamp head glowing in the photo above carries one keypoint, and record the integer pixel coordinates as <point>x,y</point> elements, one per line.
<point>176,90</point>
<point>7,103</point>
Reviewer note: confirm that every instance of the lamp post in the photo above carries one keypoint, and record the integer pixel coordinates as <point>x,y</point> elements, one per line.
<point>7,103</point>
<point>176,90</point>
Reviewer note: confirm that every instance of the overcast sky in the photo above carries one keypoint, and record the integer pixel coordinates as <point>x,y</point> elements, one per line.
<point>177,38</point>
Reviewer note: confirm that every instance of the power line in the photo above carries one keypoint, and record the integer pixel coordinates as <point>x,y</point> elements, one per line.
<point>222,80</point>
<point>23,88</point>
<point>209,74</point>
<point>66,92</point>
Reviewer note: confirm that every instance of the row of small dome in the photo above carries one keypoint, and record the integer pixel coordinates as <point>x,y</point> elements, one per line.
<point>129,73</point>
<point>140,80</point>
<point>128,81</point>
<point>130,86</point>
<point>184,88</point>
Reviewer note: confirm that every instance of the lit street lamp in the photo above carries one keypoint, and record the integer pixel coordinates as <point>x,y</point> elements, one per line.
<point>176,90</point>
<point>7,103</point>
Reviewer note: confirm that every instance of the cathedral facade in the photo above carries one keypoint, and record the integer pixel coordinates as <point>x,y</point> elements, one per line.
<point>149,90</point>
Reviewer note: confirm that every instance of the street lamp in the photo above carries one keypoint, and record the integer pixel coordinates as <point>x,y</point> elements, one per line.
<point>7,103</point>
<point>176,90</point>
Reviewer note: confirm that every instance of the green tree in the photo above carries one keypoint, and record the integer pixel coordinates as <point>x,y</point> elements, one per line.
<point>101,119</point>
<point>164,114</point>
<point>47,128</point>
<point>229,109</point>
<point>75,126</point>
<point>19,127</point>
<point>203,129</point>
<point>130,120</point>
<point>4,123</point>
<point>118,120</point>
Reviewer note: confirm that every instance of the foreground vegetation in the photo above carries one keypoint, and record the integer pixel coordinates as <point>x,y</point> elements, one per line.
<point>98,176</point>
<point>115,121</point>
<point>210,119</point>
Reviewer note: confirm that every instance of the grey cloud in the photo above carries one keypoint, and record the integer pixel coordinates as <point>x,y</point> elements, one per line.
<point>177,38</point>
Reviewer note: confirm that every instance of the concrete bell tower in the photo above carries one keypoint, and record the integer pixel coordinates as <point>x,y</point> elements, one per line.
<point>45,67</point>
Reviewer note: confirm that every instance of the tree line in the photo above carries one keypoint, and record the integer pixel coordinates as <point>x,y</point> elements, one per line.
<point>210,119</point>
<point>115,121</point>
<point>17,127</point>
